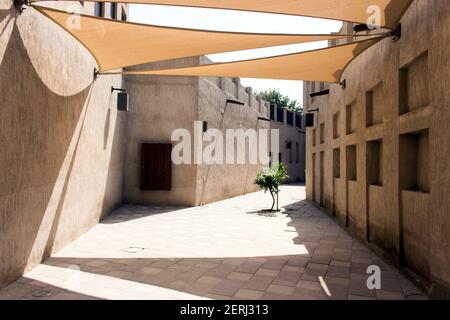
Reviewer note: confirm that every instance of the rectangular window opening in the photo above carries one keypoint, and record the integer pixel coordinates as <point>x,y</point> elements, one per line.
<point>415,161</point>
<point>351,163</point>
<point>99,9</point>
<point>374,162</point>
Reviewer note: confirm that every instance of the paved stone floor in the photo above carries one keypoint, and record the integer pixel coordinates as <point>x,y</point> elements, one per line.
<point>224,250</point>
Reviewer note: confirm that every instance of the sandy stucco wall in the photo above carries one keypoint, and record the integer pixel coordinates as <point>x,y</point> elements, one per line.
<point>158,106</point>
<point>217,182</point>
<point>61,139</point>
<point>408,222</point>
<point>294,162</point>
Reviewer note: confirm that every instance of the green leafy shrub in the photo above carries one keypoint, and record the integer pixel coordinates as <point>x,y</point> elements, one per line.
<point>270,180</point>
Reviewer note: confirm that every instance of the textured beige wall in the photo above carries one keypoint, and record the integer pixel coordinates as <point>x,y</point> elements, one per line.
<point>159,105</point>
<point>61,140</point>
<point>296,170</point>
<point>419,216</point>
<point>217,182</point>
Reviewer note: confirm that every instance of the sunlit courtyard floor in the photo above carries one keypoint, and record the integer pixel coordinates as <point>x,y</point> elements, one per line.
<point>224,250</point>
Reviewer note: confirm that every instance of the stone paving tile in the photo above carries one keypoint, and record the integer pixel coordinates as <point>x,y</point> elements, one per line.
<point>287,278</point>
<point>310,285</point>
<point>192,275</point>
<point>267,272</point>
<point>279,289</point>
<point>358,286</point>
<point>239,276</point>
<point>360,268</point>
<point>338,291</point>
<point>338,271</point>
<point>227,287</point>
<point>221,251</point>
<point>249,267</point>
<point>342,254</point>
<point>258,283</point>
<point>209,280</point>
<point>389,295</point>
<point>340,263</point>
<point>416,297</point>
<point>391,284</point>
<point>356,297</point>
<point>308,294</point>
<point>321,258</point>
<point>313,271</point>
<point>246,294</point>
<point>221,271</point>
<point>297,262</point>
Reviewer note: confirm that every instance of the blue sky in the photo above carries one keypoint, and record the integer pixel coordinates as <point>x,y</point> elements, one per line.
<point>227,20</point>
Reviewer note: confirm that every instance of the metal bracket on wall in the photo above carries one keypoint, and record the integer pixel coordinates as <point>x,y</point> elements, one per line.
<point>118,89</point>
<point>343,84</point>
<point>96,73</point>
<point>20,5</point>
<point>396,34</point>
<point>320,93</point>
<point>235,102</point>
<point>313,110</point>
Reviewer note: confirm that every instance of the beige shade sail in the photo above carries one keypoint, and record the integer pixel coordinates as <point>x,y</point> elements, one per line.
<point>325,65</point>
<point>116,44</point>
<point>357,11</point>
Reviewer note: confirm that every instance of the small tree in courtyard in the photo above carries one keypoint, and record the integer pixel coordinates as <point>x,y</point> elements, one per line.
<point>270,180</point>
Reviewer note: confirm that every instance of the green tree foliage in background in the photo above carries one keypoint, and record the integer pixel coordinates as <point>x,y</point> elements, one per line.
<point>270,180</point>
<point>274,96</point>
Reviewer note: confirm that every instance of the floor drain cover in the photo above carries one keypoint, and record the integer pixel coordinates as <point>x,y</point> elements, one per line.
<point>133,249</point>
<point>41,294</point>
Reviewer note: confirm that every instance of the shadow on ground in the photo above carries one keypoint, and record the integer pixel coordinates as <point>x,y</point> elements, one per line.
<point>122,214</point>
<point>334,267</point>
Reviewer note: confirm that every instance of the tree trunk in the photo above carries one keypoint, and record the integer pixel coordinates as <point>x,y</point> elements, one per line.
<point>273,200</point>
<point>278,191</point>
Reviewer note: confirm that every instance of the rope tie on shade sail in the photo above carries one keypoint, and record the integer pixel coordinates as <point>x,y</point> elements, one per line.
<point>354,11</point>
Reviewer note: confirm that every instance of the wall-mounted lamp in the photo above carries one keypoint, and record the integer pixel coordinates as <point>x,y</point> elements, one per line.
<point>309,118</point>
<point>122,99</point>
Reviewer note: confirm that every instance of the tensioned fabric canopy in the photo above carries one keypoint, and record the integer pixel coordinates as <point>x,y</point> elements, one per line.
<point>116,44</point>
<point>357,11</point>
<point>325,65</point>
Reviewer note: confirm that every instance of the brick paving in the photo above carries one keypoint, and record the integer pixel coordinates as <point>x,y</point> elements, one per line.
<point>225,250</point>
